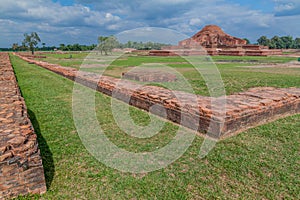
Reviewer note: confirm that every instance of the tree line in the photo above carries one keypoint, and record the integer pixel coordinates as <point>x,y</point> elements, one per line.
<point>105,45</point>
<point>276,42</point>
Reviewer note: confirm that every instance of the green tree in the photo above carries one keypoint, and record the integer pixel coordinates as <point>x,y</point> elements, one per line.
<point>62,47</point>
<point>263,40</point>
<point>31,41</point>
<point>247,40</point>
<point>277,43</point>
<point>44,46</point>
<point>15,46</point>
<point>76,47</point>
<point>297,43</point>
<point>288,42</point>
<point>107,44</point>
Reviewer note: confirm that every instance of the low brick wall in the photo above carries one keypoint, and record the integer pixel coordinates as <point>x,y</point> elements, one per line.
<point>243,110</point>
<point>149,75</point>
<point>21,169</point>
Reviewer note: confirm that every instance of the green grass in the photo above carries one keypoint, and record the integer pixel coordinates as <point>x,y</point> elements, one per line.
<point>235,76</point>
<point>259,59</point>
<point>261,163</point>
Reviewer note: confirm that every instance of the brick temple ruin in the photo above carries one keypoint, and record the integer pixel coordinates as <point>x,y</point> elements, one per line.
<point>21,169</point>
<point>212,40</point>
<point>243,110</point>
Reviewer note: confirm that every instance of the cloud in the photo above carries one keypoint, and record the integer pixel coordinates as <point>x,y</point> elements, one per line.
<point>54,13</point>
<point>287,7</point>
<point>154,34</point>
<point>84,20</point>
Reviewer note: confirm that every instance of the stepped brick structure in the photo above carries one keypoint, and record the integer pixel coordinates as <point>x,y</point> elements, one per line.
<point>212,40</point>
<point>212,36</point>
<point>21,169</point>
<point>226,116</point>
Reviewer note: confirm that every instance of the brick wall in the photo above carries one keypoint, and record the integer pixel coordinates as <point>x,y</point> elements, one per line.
<point>243,110</point>
<point>21,169</point>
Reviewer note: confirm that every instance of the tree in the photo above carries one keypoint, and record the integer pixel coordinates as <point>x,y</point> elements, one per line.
<point>263,40</point>
<point>44,46</point>
<point>62,47</point>
<point>277,43</point>
<point>287,41</point>
<point>107,44</point>
<point>247,40</point>
<point>15,46</point>
<point>297,43</point>
<point>31,41</point>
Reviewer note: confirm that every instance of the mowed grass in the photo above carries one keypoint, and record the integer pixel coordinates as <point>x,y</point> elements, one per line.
<point>261,163</point>
<point>235,76</point>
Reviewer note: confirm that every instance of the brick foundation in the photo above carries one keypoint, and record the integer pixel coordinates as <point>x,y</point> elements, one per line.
<point>243,110</point>
<point>21,169</point>
<point>149,75</point>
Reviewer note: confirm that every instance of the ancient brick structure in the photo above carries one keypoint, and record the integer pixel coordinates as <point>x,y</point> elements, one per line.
<point>243,110</point>
<point>21,169</point>
<point>212,36</point>
<point>149,75</point>
<point>212,40</point>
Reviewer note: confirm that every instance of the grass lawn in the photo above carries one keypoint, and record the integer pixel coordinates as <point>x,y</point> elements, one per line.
<point>261,163</point>
<point>235,76</point>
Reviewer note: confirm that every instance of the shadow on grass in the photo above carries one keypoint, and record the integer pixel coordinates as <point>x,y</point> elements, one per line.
<point>46,154</point>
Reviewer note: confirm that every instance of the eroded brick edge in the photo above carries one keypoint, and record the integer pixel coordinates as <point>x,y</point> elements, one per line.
<point>21,169</point>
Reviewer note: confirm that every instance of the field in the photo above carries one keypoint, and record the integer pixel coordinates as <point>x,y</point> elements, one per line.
<point>234,71</point>
<point>261,163</point>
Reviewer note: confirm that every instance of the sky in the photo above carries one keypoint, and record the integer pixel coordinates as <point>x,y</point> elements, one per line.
<point>82,21</point>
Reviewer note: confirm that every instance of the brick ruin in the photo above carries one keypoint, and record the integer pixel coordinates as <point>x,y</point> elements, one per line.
<point>21,169</point>
<point>212,40</point>
<point>212,36</point>
<point>243,110</point>
<point>149,75</point>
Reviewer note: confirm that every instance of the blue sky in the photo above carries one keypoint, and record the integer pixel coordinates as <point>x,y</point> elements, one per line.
<point>81,21</point>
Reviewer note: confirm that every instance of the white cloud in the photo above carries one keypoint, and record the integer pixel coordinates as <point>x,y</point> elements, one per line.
<point>196,21</point>
<point>287,7</point>
<point>80,22</point>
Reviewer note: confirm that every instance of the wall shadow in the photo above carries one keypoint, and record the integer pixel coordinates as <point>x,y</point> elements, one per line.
<point>46,154</point>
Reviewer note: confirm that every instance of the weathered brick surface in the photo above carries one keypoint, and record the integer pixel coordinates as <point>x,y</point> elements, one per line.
<point>211,36</point>
<point>149,75</point>
<point>21,169</point>
<point>243,110</point>
<point>216,42</point>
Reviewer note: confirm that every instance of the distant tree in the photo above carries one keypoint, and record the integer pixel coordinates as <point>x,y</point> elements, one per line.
<point>15,47</point>
<point>76,47</point>
<point>44,44</point>
<point>288,42</point>
<point>277,43</point>
<point>101,43</point>
<point>297,43</point>
<point>23,47</point>
<point>263,40</point>
<point>69,47</point>
<point>129,44</point>
<point>247,40</point>
<point>62,47</point>
<point>107,44</point>
<point>31,41</point>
